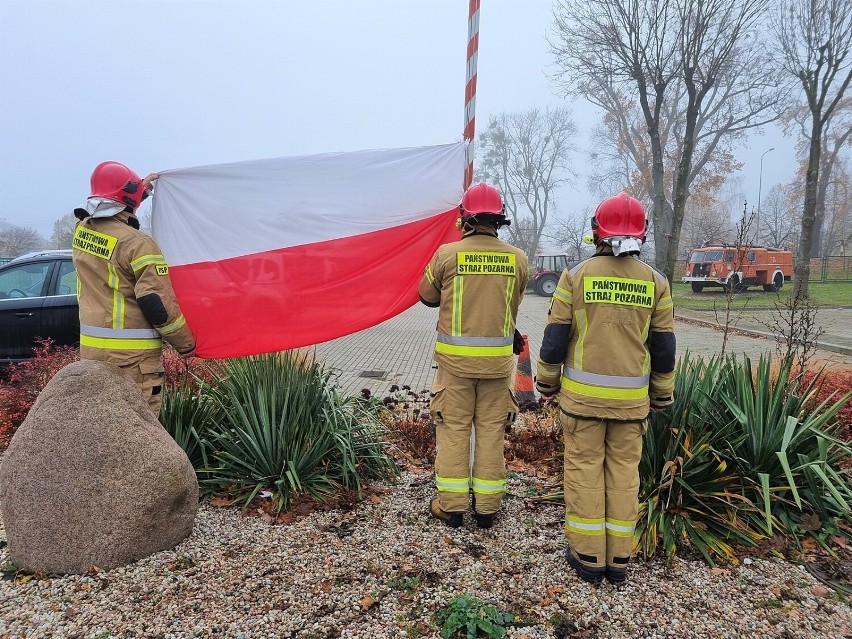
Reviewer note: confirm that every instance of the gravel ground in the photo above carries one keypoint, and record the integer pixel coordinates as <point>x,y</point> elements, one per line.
<point>385,568</point>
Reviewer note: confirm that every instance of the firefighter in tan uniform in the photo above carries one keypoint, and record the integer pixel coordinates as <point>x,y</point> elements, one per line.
<point>127,305</point>
<point>477,283</point>
<point>609,350</point>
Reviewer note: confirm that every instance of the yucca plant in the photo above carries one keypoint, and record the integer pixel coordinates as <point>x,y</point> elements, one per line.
<point>786,447</point>
<point>188,414</point>
<point>285,428</point>
<point>689,492</point>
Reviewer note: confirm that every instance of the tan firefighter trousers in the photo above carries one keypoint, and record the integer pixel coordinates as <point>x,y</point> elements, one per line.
<point>487,405</point>
<point>149,381</point>
<point>601,488</point>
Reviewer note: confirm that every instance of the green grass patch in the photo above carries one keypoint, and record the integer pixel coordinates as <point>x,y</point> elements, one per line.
<point>827,295</point>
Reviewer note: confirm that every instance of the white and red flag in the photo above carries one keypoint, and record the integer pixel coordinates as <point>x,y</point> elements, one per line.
<point>276,254</point>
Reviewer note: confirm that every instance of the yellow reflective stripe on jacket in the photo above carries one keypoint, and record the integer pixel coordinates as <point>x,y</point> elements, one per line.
<point>664,381</point>
<point>489,486</point>
<point>473,346</point>
<point>619,527</point>
<point>172,327</point>
<point>145,260</point>
<point>582,329</point>
<point>126,339</point>
<point>114,282</point>
<point>458,290</point>
<point>646,363</point>
<point>452,484</point>
<point>549,371</point>
<point>664,303</point>
<point>109,343</point>
<point>585,526</point>
<point>429,275</point>
<point>562,295</point>
<point>510,291</point>
<point>603,392</point>
<point>473,351</point>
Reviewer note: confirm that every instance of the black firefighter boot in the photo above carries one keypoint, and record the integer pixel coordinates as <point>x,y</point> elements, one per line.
<point>586,573</point>
<point>483,520</point>
<point>453,520</point>
<point>617,574</point>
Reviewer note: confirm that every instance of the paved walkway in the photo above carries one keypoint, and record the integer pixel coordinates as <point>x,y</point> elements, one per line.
<point>399,350</point>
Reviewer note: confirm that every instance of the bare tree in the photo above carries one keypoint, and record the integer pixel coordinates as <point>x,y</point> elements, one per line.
<point>699,76</point>
<point>836,136</point>
<point>702,224</point>
<point>16,241</point>
<point>568,231</point>
<point>778,218</point>
<point>63,232</point>
<point>814,42</point>
<point>527,156</point>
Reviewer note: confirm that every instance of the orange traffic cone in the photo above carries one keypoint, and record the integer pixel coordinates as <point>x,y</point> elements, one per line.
<point>523,376</point>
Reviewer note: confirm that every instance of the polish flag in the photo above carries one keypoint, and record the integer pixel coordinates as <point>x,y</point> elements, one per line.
<point>270,255</point>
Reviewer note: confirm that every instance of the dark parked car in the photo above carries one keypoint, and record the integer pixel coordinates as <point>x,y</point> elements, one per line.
<point>38,298</point>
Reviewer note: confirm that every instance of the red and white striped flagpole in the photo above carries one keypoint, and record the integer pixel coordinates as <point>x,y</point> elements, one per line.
<point>470,87</point>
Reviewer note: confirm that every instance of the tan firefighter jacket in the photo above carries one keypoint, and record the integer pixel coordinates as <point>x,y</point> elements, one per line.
<point>609,344</point>
<point>127,305</point>
<point>477,283</point>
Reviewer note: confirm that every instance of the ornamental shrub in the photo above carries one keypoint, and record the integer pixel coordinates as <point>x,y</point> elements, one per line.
<point>25,380</point>
<point>285,428</point>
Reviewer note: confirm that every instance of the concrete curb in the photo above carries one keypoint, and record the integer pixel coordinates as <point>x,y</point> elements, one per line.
<point>821,344</point>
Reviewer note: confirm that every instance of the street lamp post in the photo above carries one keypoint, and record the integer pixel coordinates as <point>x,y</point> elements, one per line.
<point>759,188</point>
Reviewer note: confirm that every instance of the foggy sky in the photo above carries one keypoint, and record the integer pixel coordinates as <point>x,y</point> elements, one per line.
<point>168,84</point>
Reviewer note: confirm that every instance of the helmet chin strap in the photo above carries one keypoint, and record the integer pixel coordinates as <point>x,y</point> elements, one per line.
<point>492,219</point>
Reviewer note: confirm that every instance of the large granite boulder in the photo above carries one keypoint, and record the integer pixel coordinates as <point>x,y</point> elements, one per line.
<point>91,478</point>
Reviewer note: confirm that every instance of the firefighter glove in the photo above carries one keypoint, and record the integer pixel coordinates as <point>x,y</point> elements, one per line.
<point>518,346</point>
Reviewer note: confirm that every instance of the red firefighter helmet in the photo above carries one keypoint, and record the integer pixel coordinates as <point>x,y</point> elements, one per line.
<point>619,216</point>
<point>481,198</point>
<point>116,182</point>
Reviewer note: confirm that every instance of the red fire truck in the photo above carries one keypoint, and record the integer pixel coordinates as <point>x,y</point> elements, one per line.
<point>738,268</point>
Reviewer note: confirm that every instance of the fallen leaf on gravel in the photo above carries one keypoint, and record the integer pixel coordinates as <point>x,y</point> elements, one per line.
<point>367,602</point>
<point>326,586</point>
<point>819,591</point>
<point>220,502</point>
<point>375,499</point>
<point>721,571</point>
<point>545,602</point>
